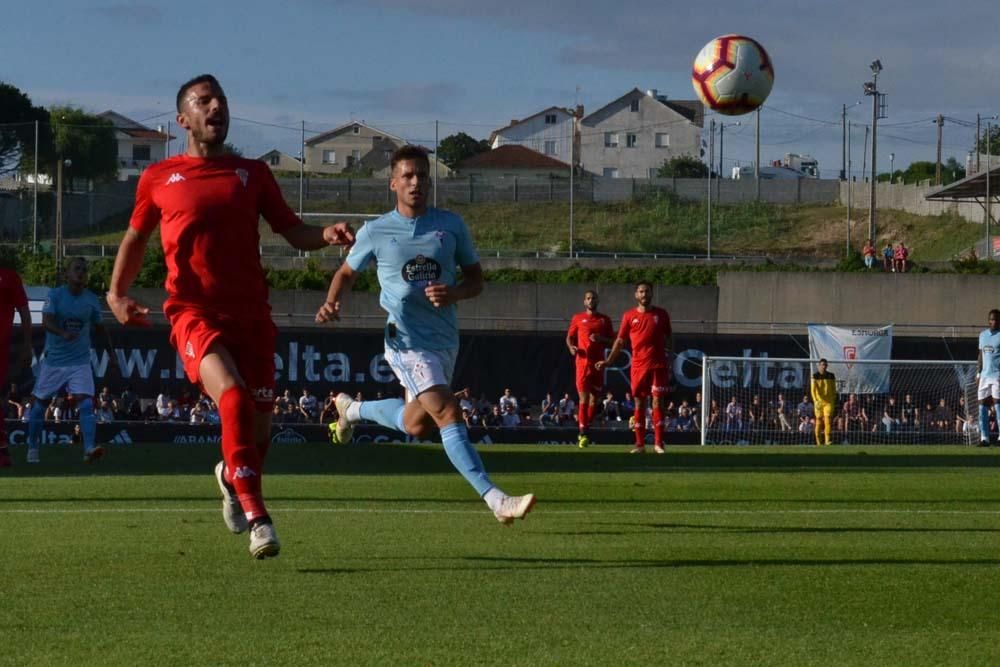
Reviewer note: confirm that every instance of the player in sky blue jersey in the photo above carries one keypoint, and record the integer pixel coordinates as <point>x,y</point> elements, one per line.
<point>417,252</point>
<point>988,366</point>
<point>68,315</point>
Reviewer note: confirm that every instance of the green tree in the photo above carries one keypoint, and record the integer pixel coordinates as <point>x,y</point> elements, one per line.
<point>455,148</point>
<point>17,129</point>
<point>87,140</point>
<point>919,171</point>
<point>994,140</point>
<point>683,166</point>
<point>952,171</point>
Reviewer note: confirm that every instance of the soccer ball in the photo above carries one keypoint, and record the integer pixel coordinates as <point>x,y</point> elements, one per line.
<point>732,75</point>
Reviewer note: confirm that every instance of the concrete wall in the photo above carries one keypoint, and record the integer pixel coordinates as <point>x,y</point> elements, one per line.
<point>928,303</point>
<point>910,198</point>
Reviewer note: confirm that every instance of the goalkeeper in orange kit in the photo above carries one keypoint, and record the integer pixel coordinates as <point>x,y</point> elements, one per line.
<point>824,395</point>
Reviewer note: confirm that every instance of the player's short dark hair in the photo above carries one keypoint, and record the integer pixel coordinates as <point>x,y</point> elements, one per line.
<point>590,291</point>
<point>824,361</point>
<point>71,260</point>
<point>993,313</point>
<point>201,78</point>
<point>644,282</point>
<point>409,152</point>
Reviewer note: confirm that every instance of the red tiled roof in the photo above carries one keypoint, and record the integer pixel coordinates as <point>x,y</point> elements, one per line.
<point>511,156</point>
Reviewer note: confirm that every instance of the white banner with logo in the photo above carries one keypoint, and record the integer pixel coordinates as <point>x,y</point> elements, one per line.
<point>840,346</point>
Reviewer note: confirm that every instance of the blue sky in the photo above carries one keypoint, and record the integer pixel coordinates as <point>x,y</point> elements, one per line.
<point>402,65</point>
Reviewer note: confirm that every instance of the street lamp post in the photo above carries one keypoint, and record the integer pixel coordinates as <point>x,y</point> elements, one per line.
<point>892,173</point>
<point>59,212</point>
<point>844,172</point>
<point>722,129</point>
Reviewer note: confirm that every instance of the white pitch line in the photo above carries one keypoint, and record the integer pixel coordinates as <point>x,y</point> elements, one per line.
<point>602,511</point>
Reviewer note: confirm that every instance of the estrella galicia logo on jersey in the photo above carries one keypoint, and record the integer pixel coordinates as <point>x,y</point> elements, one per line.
<point>73,325</point>
<point>421,269</point>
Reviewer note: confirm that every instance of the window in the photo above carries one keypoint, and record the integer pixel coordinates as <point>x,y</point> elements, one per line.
<point>356,129</point>
<point>387,155</point>
<point>140,152</point>
<point>610,140</point>
<point>329,157</point>
<point>550,148</point>
<point>654,172</point>
<point>611,172</point>
<point>376,138</point>
<point>630,140</point>
<point>356,154</point>
<point>274,159</point>
<point>550,119</point>
<point>662,140</point>
<point>635,106</point>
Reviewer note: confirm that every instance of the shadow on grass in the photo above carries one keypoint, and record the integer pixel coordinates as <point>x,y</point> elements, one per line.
<point>393,459</point>
<point>488,563</point>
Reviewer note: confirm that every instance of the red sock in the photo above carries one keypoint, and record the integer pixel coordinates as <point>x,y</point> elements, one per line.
<point>640,427</point>
<point>657,426</point>
<point>581,419</point>
<point>243,463</point>
<point>591,409</point>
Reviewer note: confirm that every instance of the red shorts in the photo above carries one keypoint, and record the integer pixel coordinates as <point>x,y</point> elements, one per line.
<point>589,380</point>
<point>649,381</point>
<point>250,341</point>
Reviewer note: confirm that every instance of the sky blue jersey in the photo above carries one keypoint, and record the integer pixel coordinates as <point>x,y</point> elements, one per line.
<point>409,254</point>
<point>72,313</point>
<point>989,345</point>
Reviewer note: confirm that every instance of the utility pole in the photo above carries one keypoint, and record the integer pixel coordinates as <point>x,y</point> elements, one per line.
<point>756,163</point>
<point>871,88</point>
<point>711,159</point>
<point>937,169</point>
<point>302,165</point>
<point>850,185</point>
<point>34,198</point>
<point>977,143</point>
<point>843,144</point>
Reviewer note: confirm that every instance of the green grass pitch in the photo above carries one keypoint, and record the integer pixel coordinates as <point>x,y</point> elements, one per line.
<point>705,556</point>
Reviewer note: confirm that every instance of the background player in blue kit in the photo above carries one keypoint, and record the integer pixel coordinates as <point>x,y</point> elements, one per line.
<point>418,251</point>
<point>69,312</point>
<point>988,368</point>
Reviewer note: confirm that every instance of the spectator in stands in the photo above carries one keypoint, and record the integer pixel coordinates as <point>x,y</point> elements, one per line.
<point>507,399</point>
<point>888,255</point>
<point>55,410</point>
<point>197,414</point>
<point>494,418</point>
<point>128,404</point>
<point>684,417</point>
<point>103,413</point>
<point>805,408</point>
<point>909,414</point>
<point>890,416</point>
<point>308,405</point>
<point>961,417</point>
<point>852,415</point>
<point>781,409</point>
<point>105,396</point>
<point>942,416</point>
<point>467,418</point>
<point>868,252</point>
<point>628,404</point>
<point>163,404</point>
<point>549,416</point>
<point>901,256</point>
<point>567,410</point>
<point>510,417</point>
<point>465,401</point>
<point>284,400</point>
<point>611,409</point>
<point>756,417</point>
<point>329,412</point>
<point>15,407</point>
<point>714,415</point>
<point>734,417</point>
<point>173,412</point>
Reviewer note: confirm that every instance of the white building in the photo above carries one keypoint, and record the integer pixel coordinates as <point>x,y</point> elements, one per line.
<point>549,132</point>
<point>138,146</point>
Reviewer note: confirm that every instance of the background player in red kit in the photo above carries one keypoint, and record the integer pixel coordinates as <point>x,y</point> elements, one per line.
<point>208,204</point>
<point>12,297</point>
<point>589,335</point>
<point>647,328</point>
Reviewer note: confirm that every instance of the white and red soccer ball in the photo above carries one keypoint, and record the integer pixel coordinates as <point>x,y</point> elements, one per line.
<point>733,75</point>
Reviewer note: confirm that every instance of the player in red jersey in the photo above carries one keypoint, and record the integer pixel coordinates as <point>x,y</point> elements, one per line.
<point>207,204</point>
<point>647,329</point>
<point>12,297</point>
<point>589,335</point>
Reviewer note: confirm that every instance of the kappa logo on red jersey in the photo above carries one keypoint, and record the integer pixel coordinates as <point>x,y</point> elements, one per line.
<point>175,178</point>
<point>244,472</point>
<point>244,176</point>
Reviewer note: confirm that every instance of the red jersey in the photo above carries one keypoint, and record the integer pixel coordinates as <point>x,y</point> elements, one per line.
<point>580,329</point>
<point>208,210</point>
<point>12,297</point>
<point>647,334</point>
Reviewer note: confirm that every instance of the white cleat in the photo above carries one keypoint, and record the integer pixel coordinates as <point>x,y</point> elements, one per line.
<point>264,541</point>
<point>232,511</point>
<point>514,507</point>
<point>344,431</point>
<point>33,455</point>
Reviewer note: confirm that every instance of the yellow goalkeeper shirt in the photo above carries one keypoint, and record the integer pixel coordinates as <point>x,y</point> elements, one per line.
<point>824,388</point>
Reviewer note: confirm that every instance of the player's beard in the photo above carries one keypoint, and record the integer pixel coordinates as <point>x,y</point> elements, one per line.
<point>210,138</point>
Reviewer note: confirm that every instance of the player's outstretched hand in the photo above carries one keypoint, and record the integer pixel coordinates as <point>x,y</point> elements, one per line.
<point>328,312</point>
<point>128,311</point>
<point>339,234</point>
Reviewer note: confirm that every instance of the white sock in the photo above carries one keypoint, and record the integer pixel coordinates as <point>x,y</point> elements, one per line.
<point>353,412</point>
<point>494,497</point>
